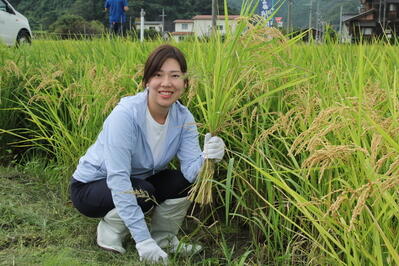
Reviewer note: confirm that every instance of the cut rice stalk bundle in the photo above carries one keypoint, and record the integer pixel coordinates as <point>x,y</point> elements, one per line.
<point>201,192</point>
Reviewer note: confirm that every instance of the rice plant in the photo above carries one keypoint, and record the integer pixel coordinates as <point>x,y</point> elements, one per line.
<point>312,132</point>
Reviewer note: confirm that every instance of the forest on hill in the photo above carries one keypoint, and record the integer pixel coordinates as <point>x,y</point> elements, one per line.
<point>43,13</point>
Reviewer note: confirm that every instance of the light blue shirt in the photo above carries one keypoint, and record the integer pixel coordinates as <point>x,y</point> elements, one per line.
<point>121,150</point>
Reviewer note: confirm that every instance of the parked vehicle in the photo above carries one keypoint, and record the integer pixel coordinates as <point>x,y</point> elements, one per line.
<point>14,27</point>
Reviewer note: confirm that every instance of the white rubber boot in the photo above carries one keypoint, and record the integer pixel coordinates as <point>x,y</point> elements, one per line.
<point>165,223</point>
<point>111,231</point>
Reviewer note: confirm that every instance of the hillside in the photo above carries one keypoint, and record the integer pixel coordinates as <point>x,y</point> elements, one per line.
<point>46,12</point>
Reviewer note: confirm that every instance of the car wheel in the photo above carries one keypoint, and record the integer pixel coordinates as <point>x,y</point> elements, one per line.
<point>23,38</point>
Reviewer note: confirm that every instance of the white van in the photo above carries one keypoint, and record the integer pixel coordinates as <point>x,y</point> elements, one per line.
<point>14,27</point>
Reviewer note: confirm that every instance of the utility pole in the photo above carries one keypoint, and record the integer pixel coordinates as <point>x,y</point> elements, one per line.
<point>340,24</point>
<point>163,21</point>
<point>289,16</point>
<point>318,26</point>
<point>142,14</point>
<point>214,15</point>
<point>385,13</point>
<point>310,19</point>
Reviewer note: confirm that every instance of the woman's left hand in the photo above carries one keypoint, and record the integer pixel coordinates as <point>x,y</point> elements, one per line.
<point>213,147</point>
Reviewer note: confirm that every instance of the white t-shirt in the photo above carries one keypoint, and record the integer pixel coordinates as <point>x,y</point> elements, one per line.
<point>156,134</point>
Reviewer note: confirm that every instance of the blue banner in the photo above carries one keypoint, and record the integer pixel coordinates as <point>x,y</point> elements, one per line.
<point>266,8</point>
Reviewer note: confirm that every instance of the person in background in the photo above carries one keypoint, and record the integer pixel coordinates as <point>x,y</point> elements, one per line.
<point>139,138</point>
<point>117,18</point>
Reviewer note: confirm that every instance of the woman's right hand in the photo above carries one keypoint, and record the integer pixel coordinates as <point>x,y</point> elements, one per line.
<point>149,251</point>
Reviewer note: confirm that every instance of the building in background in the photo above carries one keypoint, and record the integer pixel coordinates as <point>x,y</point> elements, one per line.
<point>201,26</point>
<point>377,18</point>
<point>149,25</point>
<point>183,28</point>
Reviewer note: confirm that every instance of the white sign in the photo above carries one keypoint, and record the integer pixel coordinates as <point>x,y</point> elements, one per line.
<point>266,10</point>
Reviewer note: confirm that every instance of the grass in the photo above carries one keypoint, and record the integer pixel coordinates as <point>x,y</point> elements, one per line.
<point>40,227</point>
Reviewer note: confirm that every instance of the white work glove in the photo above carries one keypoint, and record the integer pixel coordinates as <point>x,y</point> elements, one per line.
<point>213,147</point>
<point>149,251</point>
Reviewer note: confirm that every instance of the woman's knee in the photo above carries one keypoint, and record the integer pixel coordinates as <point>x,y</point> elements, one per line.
<point>170,184</point>
<point>91,199</point>
<point>179,183</point>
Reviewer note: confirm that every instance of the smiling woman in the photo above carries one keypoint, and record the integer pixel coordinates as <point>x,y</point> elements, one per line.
<point>139,138</point>
<point>166,85</point>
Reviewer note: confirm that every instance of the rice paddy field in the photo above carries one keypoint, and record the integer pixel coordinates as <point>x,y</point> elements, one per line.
<point>312,131</point>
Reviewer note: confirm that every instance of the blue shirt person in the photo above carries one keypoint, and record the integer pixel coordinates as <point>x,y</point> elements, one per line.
<point>117,17</point>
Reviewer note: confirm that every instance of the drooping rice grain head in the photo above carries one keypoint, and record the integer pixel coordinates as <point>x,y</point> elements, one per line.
<point>11,67</point>
<point>328,119</point>
<point>327,156</point>
<point>284,123</point>
<point>361,202</point>
<point>376,140</point>
<point>83,114</point>
<point>390,183</point>
<point>374,96</point>
<point>393,167</point>
<point>380,163</point>
<point>319,139</point>
<point>337,204</point>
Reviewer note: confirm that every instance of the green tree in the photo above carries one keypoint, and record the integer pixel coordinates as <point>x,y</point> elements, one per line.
<point>43,13</point>
<point>174,9</point>
<point>71,26</point>
<point>89,9</point>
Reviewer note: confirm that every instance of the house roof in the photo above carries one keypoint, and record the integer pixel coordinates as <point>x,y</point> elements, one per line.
<point>137,21</point>
<point>209,17</point>
<point>372,10</point>
<point>183,21</point>
<point>182,33</point>
<point>348,16</point>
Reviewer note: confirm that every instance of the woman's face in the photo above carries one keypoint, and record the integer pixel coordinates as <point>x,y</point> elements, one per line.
<point>165,86</point>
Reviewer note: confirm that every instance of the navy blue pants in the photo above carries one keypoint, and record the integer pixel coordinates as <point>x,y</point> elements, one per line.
<point>117,28</point>
<point>94,199</point>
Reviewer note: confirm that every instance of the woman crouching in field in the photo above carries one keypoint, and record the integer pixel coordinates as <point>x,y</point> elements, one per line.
<point>139,138</point>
